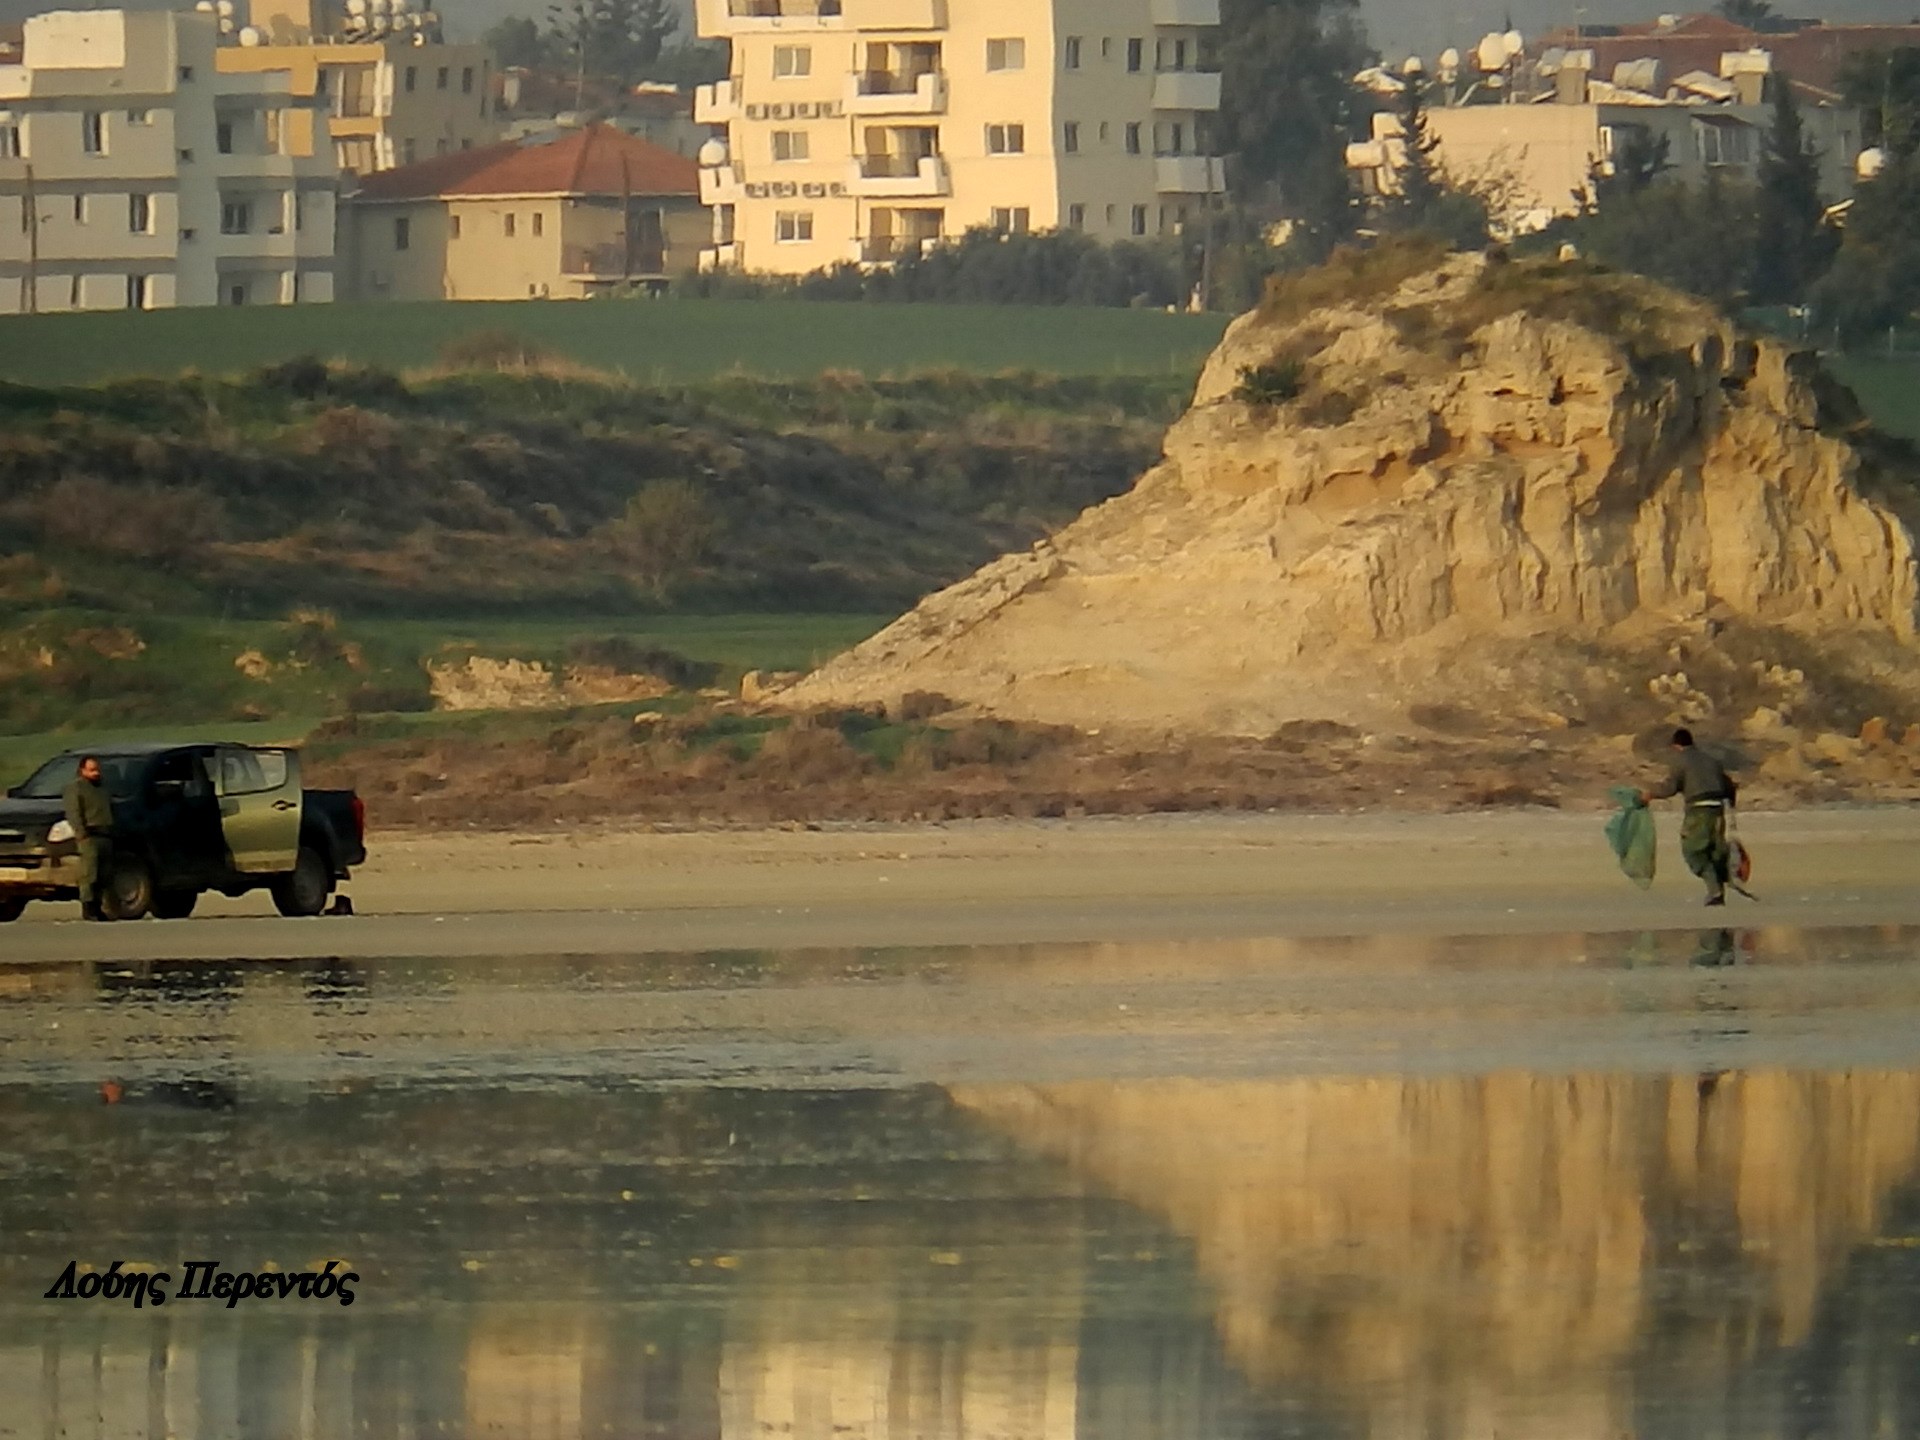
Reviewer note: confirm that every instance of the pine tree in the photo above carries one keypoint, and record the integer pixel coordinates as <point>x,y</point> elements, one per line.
<point>1794,245</point>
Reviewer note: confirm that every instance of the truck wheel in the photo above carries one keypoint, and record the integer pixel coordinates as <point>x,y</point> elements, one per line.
<point>11,910</point>
<point>175,904</point>
<point>129,894</point>
<point>305,891</point>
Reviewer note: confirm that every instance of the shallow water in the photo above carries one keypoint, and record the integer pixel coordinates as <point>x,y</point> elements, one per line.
<point>1588,1186</point>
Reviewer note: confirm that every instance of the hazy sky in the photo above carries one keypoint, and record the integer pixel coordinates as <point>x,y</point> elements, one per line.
<point>1400,27</point>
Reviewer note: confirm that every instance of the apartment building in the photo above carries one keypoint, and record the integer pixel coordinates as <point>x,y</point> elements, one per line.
<point>1535,159</point>
<point>382,88</point>
<point>865,130</point>
<point>135,175</point>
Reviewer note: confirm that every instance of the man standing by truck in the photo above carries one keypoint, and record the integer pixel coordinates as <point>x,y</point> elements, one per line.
<point>90,813</point>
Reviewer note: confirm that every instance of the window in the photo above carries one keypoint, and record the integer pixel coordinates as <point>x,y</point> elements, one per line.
<point>1724,144</point>
<point>1170,138</point>
<point>1012,222</point>
<point>440,147</point>
<point>11,145</point>
<point>1070,53</point>
<point>1006,54</point>
<point>1006,139</point>
<point>252,772</point>
<point>236,217</point>
<point>186,74</point>
<point>466,80</point>
<point>793,226</point>
<point>1106,47</point>
<point>139,117</point>
<point>1106,132</point>
<point>140,214</point>
<point>790,145</point>
<point>298,203</point>
<point>223,137</point>
<point>1136,56</point>
<point>1070,137</point>
<point>139,291</point>
<point>1112,210</point>
<point>236,294</point>
<point>403,233</point>
<point>186,157</point>
<point>507,225</point>
<point>1170,55</point>
<point>792,62</point>
<point>93,133</point>
<point>1076,217</point>
<point>453,227</point>
<point>79,209</point>
<point>539,224</point>
<point>442,79</point>
<point>407,152</point>
<point>1139,219</point>
<point>1133,137</point>
<point>410,79</point>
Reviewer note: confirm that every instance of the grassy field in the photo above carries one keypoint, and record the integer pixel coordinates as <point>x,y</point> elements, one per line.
<point>665,341</point>
<point>193,658</point>
<point>1888,388</point>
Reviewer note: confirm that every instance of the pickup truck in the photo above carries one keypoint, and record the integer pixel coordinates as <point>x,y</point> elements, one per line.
<point>187,819</point>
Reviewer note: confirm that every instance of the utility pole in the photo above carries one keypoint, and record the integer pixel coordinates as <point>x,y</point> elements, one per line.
<point>30,301</point>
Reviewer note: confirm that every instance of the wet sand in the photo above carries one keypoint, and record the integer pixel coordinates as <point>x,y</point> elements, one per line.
<point>1011,882</point>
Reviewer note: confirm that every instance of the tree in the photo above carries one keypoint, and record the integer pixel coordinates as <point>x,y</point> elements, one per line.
<point>1288,108</point>
<point>1793,245</point>
<point>1698,238</point>
<point>1426,204</point>
<point>664,534</point>
<point>1885,84</point>
<point>613,40</point>
<point>1639,159</point>
<point>1754,14</point>
<point>517,42</point>
<point>1875,280</point>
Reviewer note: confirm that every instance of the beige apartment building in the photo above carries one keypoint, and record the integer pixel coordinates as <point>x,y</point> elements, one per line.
<point>135,175</point>
<point>583,212</point>
<point>386,89</point>
<point>864,130</point>
<point>1535,160</point>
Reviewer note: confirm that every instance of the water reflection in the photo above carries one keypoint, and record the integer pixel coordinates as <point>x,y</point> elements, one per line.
<point>583,1253</point>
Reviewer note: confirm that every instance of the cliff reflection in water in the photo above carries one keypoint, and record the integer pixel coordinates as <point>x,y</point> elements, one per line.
<point>1515,1254</point>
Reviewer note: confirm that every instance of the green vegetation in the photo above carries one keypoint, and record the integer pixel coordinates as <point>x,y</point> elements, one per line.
<point>658,342</point>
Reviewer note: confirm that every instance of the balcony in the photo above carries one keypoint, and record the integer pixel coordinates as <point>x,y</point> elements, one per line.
<point>876,92</point>
<point>889,177</point>
<point>896,14</point>
<point>717,104</point>
<point>612,261</point>
<point>889,249</point>
<point>722,257</point>
<point>721,185</point>
<point>717,19</point>
<point>1186,90</point>
<point>1190,175</point>
<point>1181,13</point>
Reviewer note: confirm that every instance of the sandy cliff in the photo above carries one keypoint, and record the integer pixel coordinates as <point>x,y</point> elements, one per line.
<point>1520,490</point>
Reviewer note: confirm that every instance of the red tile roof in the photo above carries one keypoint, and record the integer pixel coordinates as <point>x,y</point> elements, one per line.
<point>1813,55</point>
<point>593,160</point>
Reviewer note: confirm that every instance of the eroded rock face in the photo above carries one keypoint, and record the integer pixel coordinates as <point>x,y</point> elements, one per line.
<point>1497,481</point>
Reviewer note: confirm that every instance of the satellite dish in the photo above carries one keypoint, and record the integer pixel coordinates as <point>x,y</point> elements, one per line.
<point>1871,164</point>
<point>1514,43</point>
<point>223,8</point>
<point>1413,66</point>
<point>357,8</point>
<point>1449,59</point>
<point>714,153</point>
<point>378,7</point>
<point>226,25</point>
<point>1491,53</point>
<point>251,36</point>
<point>398,7</point>
<point>381,25</point>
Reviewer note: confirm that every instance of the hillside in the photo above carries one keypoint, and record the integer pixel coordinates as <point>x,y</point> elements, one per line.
<point>1471,498</point>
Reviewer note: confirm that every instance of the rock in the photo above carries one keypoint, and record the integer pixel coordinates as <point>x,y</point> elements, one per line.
<point>1874,732</point>
<point>1834,749</point>
<point>253,665</point>
<point>1912,738</point>
<point>1518,504</point>
<point>1764,723</point>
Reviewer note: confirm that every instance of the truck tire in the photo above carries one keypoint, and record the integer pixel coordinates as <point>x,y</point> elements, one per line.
<point>11,910</point>
<point>175,904</point>
<point>305,890</point>
<point>129,893</point>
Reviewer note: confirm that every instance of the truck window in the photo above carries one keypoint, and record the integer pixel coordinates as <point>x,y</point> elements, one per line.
<point>251,772</point>
<point>121,774</point>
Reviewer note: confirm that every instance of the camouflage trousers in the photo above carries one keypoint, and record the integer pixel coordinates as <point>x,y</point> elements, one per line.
<point>1704,845</point>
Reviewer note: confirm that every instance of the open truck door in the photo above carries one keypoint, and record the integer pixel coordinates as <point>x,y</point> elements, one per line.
<point>259,808</point>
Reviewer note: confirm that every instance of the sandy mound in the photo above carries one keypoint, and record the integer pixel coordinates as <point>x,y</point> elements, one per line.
<point>1472,492</point>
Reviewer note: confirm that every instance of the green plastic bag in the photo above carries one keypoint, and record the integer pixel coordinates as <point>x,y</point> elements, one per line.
<point>1631,834</point>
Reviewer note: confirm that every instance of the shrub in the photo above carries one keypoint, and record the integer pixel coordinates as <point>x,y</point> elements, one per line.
<point>496,350</point>
<point>664,533</point>
<point>630,657</point>
<point>1265,386</point>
